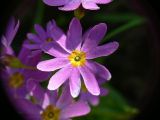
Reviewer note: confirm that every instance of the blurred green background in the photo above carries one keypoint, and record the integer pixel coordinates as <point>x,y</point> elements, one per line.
<point>133,66</point>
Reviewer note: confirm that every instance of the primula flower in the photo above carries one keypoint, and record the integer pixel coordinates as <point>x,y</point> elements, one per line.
<point>49,106</point>
<point>44,37</point>
<point>74,61</point>
<point>18,68</point>
<point>69,5</point>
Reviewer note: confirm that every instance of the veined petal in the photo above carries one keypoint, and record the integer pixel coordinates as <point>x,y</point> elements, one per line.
<point>55,2</point>
<point>75,83</point>
<point>90,80</point>
<point>102,1</point>
<point>99,70</point>
<point>93,37</point>
<point>89,5</point>
<point>54,49</point>
<point>52,64</point>
<point>103,50</point>
<point>75,109</point>
<point>72,5</point>
<point>74,35</point>
<point>59,78</point>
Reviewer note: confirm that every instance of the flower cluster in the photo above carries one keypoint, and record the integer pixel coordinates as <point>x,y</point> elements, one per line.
<point>71,73</point>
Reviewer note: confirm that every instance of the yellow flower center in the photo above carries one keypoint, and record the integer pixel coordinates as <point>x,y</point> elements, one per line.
<point>16,80</point>
<point>77,58</point>
<point>50,113</point>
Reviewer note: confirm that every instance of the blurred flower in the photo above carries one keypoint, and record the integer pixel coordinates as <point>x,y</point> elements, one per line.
<point>74,59</point>
<point>44,37</point>
<point>49,107</point>
<point>8,37</point>
<point>69,5</point>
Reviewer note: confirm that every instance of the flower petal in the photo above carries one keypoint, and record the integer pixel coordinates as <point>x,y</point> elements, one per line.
<point>56,33</point>
<point>99,70</point>
<point>75,83</point>
<point>40,31</point>
<point>65,98</point>
<point>55,2</point>
<point>103,50</point>
<point>33,38</point>
<point>52,64</point>
<point>59,78</point>
<point>72,5</point>
<point>89,80</point>
<point>94,36</point>
<point>102,1</point>
<point>54,49</point>
<point>74,35</point>
<point>89,5</point>
<point>75,109</point>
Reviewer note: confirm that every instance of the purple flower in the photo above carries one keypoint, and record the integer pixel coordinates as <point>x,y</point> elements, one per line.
<point>69,5</point>
<point>48,106</point>
<point>74,61</point>
<point>8,37</point>
<point>44,37</point>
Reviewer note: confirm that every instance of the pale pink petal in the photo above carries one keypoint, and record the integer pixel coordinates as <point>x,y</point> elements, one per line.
<point>89,5</point>
<point>55,2</point>
<point>75,83</point>
<point>52,64</point>
<point>59,78</point>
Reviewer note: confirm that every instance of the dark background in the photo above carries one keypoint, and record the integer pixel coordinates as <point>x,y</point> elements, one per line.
<point>147,101</point>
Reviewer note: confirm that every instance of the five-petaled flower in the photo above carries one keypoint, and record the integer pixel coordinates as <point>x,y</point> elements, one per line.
<point>74,59</point>
<point>69,5</point>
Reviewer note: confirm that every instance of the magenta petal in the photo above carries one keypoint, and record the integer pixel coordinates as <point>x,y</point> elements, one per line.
<point>89,80</point>
<point>94,36</point>
<point>52,64</point>
<point>99,70</point>
<point>75,83</point>
<point>102,1</point>
<point>94,100</point>
<point>75,109</point>
<point>72,5</point>
<point>74,35</point>
<point>103,50</point>
<point>55,2</point>
<point>54,49</point>
<point>89,5</point>
<point>59,78</point>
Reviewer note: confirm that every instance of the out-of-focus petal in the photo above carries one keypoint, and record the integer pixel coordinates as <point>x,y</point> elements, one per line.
<point>41,32</point>
<point>102,1</point>
<point>89,80</point>
<point>55,2</point>
<point>89,5</point>
<point>52,64</point>
<point>72,5</point>
<point>33,38</point>
<point>93,37</point>
<point>103,50</point>
<point>75,109</point>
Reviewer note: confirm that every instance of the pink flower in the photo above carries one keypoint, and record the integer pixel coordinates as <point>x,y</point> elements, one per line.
<point>74,59</point>
<point>69,5</point>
